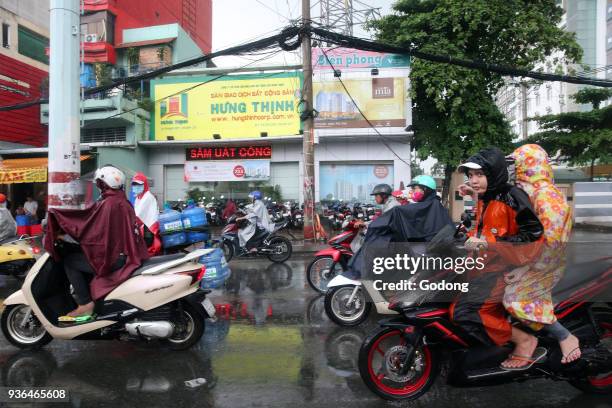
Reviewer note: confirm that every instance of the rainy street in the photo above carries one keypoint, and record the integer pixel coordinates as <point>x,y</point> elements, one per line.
<point>271,347</point>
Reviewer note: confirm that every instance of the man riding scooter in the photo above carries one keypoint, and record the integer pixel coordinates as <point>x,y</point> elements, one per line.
<point>258,217</point>
<point>107,232</point>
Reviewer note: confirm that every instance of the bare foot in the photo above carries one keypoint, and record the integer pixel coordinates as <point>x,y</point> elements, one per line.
<point>525,345</point>
<point>86,309</point>
<point>570,348</point>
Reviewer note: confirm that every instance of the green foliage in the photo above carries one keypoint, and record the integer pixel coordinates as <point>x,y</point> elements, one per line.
<point>103,73</point>
<point>454,112</point>
<point>579,137</point>
<point>133,56</point>
<point>594,96</point>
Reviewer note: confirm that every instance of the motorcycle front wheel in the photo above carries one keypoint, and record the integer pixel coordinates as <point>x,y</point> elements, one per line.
<point>320,271</point>
<point>345,313</point>
<point>385,369</point>
<point>282,247</point>
<point>22,328</point>
<point>228,250</point>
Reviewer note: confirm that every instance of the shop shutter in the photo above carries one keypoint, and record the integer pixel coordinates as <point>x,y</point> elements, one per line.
<point>286,175</point>
<point>175,185</point>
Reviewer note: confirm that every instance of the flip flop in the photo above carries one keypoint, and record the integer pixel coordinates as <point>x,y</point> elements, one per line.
<point>538,354</point>
<point>75,319</point>
<point>569,354</point>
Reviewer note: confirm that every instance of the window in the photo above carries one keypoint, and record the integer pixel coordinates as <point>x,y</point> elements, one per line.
<point>548,92</point>
<point>537,98</point>
<point>32,45</point>
<point>103,135</point>
<point>5,35</point>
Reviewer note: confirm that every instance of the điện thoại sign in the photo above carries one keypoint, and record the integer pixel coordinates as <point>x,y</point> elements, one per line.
<point>23,175</point>
<point>232,107</point>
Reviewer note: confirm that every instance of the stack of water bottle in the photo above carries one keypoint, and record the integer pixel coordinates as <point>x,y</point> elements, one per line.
<point>180,229</point>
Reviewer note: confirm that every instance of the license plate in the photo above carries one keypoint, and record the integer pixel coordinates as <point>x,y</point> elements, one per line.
<point>209,307</point>
<point>298,216</point>
<point>360,215</point>
<point>331,217</point>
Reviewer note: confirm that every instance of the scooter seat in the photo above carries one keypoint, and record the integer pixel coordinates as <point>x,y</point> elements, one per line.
<point>9,239</point>
<point>156,260</point>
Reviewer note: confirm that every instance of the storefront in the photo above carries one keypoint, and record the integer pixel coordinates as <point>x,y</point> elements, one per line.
<point>27,177</point>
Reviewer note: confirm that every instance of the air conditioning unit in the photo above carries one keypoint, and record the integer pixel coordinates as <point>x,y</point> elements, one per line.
<point>90,38</point>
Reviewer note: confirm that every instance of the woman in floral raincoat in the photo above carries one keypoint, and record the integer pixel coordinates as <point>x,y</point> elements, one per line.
<point>528,294</point>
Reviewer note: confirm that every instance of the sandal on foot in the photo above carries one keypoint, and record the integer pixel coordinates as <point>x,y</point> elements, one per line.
<point>75,319</point>
<point>569,354</point>
<point>537,356</point>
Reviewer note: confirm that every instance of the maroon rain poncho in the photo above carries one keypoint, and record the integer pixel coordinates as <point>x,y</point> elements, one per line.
<point>105,230</point>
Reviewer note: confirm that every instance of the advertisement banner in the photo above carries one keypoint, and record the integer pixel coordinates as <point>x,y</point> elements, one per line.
<point>32,175</point>
<point>228,153</point>
<point>233,107</point>
<point>352,182</point>
<point>227,170</point>
<point>349,58</point>
<point>382,101</point>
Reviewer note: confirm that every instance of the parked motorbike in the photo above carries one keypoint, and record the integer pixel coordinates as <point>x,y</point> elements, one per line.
<point>161,300</point>
<point>275,247</point>
<point>330,262</point>
<point>17,255</point>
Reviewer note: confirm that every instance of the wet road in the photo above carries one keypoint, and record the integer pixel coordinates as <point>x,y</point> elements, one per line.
<point>272,347</point>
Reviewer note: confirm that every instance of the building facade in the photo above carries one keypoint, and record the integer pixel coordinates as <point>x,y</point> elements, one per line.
<point>520,100</point>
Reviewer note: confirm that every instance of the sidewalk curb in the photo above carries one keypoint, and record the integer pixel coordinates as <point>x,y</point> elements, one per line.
<point>594,227</point>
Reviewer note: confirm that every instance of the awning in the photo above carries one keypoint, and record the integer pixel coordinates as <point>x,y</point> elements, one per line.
<point>27,170</point>
<point>146,42</point>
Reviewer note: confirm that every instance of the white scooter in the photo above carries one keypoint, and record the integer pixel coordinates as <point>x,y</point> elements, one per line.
<point>161,300</point>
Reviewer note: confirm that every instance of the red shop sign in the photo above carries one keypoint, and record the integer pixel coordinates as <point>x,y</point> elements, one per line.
<point>229,153</point>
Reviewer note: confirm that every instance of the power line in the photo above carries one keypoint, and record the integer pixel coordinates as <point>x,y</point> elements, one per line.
<point>361,112</point>
<point>362,44</point>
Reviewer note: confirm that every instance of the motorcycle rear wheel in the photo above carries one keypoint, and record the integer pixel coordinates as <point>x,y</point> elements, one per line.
<point>228,250</point>
<point>601,384</point>
<point>191,324</point>
<point>283,243</point>
<point>383,371</point>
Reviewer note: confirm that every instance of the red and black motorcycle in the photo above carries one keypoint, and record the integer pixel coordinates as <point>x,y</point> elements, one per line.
<point>333,261</point>
<point>403,358</point>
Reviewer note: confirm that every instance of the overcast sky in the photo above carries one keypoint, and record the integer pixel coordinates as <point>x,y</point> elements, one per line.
<point>239,21</point>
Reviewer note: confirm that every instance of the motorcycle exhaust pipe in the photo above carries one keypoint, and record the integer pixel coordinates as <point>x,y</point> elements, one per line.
<point>152,330</point>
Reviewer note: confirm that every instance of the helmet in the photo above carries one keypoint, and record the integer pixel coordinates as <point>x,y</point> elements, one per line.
<point>425,181</point>
<point>2,198</point>
<point>383,189</point>
<point>111,176</point>
<point>255,194</point>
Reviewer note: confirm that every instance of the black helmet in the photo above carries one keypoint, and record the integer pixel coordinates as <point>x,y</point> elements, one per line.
<point>383,189</point>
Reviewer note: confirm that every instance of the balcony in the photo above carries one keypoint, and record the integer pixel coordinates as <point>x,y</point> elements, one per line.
<point>109,118</point>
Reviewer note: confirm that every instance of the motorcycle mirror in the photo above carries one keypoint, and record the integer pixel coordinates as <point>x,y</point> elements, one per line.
<point>466,220</point>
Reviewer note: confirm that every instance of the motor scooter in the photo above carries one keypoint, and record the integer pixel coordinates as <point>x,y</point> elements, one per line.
<point>161,300</point>
<point>274,246</point>
<point>330,262</point>
<point>402,359</point>
<point>17,255</point>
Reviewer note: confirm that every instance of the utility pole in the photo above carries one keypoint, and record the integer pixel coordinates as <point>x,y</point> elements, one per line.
<point>308,140</point>
<point>524,128</point>
<point>64,137</point>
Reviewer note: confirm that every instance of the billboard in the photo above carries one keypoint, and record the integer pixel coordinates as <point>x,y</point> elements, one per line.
<point>349,58</point>
<point>227,170</point>
<point>382,101</point>
<point>231,107</point>
<point>352,182</point>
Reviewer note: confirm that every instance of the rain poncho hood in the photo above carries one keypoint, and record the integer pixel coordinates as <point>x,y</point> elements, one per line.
<point>493,163</point>
<point>417,222</point>
<point>105,230</point>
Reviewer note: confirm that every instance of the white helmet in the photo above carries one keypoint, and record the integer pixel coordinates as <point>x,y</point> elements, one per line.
<point>112,176</point>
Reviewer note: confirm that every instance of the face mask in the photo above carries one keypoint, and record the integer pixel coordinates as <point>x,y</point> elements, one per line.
<point>138,189</point>
<point>418,196</point>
